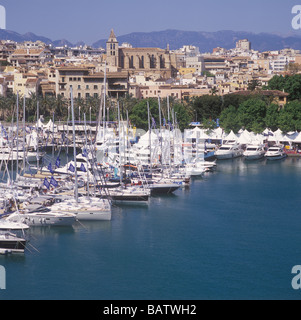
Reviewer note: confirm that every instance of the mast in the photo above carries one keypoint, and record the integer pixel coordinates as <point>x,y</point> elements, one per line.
<point>37,128</point>
<point>86,146</point>
<point>119,135</point>
<point>161,138</point>
<point>74,147</point>
<point>24,129</point>
<point>104,102</point>
<point>150,139</point>
<point>17,136</point>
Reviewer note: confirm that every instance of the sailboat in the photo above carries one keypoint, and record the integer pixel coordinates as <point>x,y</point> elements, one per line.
<point>85,208</point>
<point>10,240</point>
<point>127,193</point>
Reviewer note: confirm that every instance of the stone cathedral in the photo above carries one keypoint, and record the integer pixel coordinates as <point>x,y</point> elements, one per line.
<point>151,61</point>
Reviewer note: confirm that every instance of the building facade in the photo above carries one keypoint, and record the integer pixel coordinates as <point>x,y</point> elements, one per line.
<point>151,61</point>
<point>85,83</point>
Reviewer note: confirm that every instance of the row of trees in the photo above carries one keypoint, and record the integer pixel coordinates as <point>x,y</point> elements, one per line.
<point>256,115</point>
<point>254,112</point>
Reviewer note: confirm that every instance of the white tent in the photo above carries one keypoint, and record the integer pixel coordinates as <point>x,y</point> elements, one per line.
<point>277,136</point>
<point>50,126</point>
<point>298,138</point>
<point>217,134</point>
<point>246,137</point>
<point>231,136</point>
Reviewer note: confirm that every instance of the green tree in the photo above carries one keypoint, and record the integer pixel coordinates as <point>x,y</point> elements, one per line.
<point>207,107</point>
<point>139,114</point>
<point>290,117</point>
<point>272,117</point>
<point>229,119</point>
<point>251,115</point>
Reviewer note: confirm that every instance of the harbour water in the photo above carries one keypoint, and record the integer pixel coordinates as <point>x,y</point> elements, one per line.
<point>235,234</point>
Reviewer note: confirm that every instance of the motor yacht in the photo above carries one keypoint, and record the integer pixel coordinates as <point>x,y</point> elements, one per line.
<point>229,151</point>
<point>276,152</point>
<point>254,152</point>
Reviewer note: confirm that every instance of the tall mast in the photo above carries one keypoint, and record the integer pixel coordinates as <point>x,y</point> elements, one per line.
<point>150,138</point>
<point>104,101</point>
<point>17,135</point>
<point>74,147</point>
<point>24,127</point>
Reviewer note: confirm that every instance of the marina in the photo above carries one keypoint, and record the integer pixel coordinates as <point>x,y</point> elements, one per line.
<point>233,234</point>
<point>76,194</point>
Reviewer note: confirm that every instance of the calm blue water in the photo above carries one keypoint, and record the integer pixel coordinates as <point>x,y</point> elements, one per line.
<point>234,235</point>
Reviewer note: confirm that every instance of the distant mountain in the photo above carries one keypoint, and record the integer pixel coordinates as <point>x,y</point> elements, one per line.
<point>206,41</point>
<point>29,36</point>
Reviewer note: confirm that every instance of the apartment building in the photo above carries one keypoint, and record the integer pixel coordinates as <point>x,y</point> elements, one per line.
<point>85,83</point>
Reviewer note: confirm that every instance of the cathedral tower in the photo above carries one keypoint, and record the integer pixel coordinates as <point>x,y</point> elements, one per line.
<point>112,50</point>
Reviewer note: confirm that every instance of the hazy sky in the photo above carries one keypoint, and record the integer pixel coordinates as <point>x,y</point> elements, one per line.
<point>91,20</point>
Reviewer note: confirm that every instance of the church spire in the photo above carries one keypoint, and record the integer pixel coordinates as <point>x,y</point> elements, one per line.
<point>112,35</point>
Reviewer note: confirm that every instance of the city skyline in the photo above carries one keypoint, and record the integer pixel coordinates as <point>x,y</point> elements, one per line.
<point>93,20</point>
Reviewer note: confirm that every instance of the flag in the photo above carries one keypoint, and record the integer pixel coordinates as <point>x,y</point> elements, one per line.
<point>46,183</point>
<point>85,153</point>
<point>82,168</point>
<point>153,123</point>
<point>71,168</point>
<point>58,162</point>
<point>164,122</point>
<point>50,168</point>
<point>54,182</point>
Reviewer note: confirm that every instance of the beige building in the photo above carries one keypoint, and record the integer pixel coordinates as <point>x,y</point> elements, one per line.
<point>85,83</point>
<point>25,83</point>
<point>167,90</point>
<point>134,60</point>
<point>27,57</point>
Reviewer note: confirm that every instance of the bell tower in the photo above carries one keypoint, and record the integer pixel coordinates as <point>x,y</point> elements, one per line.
<point>112,50</point>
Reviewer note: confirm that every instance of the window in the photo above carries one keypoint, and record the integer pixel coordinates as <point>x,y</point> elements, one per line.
<point>95,87</point>
<point>87,87</point>
<point>78,87</point>
<point>79,95</point>
<point>87,95</point>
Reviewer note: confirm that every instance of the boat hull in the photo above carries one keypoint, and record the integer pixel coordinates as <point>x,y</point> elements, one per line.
<point>163,189</point>
<point>276,157</point>
<point>43,220</point>
<point>13,245</point>
<point>90,215</point>
<point>251,157</point>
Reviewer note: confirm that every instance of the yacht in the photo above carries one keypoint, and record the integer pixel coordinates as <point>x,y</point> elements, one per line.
<point>129,194</point>
<point>85,208</point>
<point>229,151</point>
<point>10,241</point>
<point>275,152</point>
<point>254,152</point>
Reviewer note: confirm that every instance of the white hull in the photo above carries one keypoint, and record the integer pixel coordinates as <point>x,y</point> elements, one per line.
<point>92,209</point>
<point>43,219</point>
<point>253,156</point>
<point>225,156</point>
<point>90,215</point>
<point>276,157</point>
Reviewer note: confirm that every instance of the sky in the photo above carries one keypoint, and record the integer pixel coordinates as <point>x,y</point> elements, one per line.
<point>92,20</point>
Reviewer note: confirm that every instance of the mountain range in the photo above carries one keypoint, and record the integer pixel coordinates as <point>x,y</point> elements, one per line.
<point>206,41</point>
